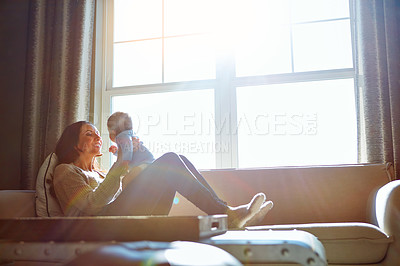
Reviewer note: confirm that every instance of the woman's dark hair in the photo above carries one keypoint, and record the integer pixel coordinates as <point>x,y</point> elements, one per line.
<point>66,146</point>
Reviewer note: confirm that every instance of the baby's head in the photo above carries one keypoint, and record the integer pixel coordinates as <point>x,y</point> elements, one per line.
<point>118,122</point>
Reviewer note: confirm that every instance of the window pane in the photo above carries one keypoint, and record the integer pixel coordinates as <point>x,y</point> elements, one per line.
<point>137,19</point>
<point>189,58</point>
<point>313,10</point>
<point>321,46</point>
<point>268,52</point>
<point>261,12</point>
<point>307,123</point>
<point>182,122</point>
<point>137,63</point>
<point>262,38</point>
<point>188,16</point>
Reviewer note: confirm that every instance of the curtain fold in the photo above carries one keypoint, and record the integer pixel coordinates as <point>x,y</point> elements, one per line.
<point>58,77</point>
<point>376,31</point>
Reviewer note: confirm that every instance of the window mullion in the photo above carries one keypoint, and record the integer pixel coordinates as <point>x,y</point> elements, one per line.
<point>225,112</point>
<point>104,71</point>
<point>109,43</point>
<point>163,43</point>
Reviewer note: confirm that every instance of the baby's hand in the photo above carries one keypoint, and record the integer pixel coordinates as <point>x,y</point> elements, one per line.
<point>113,149</point>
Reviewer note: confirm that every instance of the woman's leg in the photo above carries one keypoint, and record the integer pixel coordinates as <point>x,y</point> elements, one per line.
<point>154,189</point>
<point>256,219</point>
<point>197,174</point>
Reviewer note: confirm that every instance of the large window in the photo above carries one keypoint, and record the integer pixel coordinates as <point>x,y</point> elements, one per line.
<point>238,83</point>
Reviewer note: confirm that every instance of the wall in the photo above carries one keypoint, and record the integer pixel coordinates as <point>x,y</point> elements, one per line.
<point>13,46</point>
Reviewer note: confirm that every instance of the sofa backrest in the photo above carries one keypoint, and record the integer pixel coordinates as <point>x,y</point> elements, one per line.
<point>342,193</point>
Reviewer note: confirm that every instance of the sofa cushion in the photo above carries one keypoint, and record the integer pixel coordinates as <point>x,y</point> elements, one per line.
<point>46,203</point>
<point>345,243</point>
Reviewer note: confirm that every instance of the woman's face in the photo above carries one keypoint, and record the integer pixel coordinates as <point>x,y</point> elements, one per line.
<point>90,141</point>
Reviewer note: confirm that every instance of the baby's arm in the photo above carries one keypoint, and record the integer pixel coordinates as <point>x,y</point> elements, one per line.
<point>135,143</point>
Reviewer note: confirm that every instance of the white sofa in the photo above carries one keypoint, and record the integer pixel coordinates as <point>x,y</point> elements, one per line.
<point>354,210</point>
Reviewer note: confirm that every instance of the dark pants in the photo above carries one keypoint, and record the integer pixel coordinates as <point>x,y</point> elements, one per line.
<point>152,192</point>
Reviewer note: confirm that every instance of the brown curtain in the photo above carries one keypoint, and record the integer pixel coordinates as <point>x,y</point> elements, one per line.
<point>377,31</point>
<point>58,76</point>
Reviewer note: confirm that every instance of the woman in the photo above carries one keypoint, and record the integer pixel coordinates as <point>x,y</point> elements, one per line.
<point>82,190</point>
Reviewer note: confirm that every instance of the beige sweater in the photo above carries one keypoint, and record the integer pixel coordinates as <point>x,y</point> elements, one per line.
<point>84,193</point>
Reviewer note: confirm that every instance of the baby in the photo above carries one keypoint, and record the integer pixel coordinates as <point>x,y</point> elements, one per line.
<point>130,149</point>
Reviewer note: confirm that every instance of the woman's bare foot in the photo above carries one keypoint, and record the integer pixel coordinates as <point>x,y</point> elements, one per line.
<point>259,216</point>
<point>238,216</point>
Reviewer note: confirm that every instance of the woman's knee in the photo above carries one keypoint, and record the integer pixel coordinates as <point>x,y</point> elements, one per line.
<point>170,157</point>
<point>183,157</point>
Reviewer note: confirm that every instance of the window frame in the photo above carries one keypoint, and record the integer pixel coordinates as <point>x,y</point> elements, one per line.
<point>224,85</point>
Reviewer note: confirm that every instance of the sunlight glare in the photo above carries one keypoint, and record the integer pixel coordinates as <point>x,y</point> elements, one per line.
<point>297,124</point>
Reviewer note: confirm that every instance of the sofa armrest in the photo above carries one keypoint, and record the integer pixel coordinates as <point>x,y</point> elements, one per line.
<point>345,243</point>
<point>17,203</point>
<point>387,211</point>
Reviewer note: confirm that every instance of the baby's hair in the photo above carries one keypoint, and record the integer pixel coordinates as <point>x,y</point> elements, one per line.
<point>118,122</point>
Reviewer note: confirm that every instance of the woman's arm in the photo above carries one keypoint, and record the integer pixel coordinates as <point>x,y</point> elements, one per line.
<point>80,195</point>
